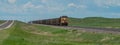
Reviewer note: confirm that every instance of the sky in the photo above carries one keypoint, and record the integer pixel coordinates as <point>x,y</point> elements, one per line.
<point>27,10</point>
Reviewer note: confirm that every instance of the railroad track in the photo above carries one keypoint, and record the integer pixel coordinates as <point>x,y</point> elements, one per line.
<point>105,29</point>
<point>6,25</point>
<point>89,29</point>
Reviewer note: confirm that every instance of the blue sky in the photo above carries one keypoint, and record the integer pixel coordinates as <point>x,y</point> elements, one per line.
<point>26,10</point>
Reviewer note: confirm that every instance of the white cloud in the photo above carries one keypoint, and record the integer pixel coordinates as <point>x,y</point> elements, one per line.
<point>31,5</point>
<point>11,1</point>
<point>77,6</point>
<point>11,9</point>
<point>72,5</point>
<point>106,3</point>
<point>55,8</point>
<point>28,5</point>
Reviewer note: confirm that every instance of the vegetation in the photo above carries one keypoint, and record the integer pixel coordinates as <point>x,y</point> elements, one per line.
<point>95,22</point>
<point>1,21</point>
<point>27,34</point>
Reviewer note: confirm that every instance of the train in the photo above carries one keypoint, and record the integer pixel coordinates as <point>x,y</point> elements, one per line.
<point>61,21</point>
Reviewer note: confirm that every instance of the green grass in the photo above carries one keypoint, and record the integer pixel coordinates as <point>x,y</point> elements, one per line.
<point>95,22</point>
<point>1,21</point>
<point>27,34</point>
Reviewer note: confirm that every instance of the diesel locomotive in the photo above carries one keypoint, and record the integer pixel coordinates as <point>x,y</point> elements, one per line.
<point>61,21</point>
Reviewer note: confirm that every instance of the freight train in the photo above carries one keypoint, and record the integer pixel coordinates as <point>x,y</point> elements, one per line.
<point>61,21</point>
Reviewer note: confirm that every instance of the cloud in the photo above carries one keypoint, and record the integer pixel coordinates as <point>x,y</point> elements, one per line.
<point>31,5</point>
<point>76,6</point>
<point>11,1</point>
<point>107,3</point>
<point>55,9</point>
<point>28,5</point>
<point>72,5</point>
<point>51,7</point>
<point>12,9</point>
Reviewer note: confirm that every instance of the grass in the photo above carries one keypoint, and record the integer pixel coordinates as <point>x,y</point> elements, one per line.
<point>95,22</point>
<point>27,34</point>
<point>1,21</point>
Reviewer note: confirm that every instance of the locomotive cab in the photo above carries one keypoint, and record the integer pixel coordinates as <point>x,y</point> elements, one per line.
<point>64,21</point>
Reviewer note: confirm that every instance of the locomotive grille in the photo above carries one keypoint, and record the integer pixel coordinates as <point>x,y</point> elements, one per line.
<point>63,20</point>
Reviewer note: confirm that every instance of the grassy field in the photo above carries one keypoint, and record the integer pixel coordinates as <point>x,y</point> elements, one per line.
<point>1,21</point>
<point>95,22</point>
<point>27,34</point>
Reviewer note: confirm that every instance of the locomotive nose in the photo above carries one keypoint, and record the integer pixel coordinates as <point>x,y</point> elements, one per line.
<point>63,20</point>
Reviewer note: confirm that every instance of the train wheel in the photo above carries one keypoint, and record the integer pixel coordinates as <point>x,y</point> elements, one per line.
<point>64,24</point>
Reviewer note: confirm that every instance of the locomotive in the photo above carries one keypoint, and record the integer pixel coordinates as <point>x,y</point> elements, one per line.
<point>61,21</point>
